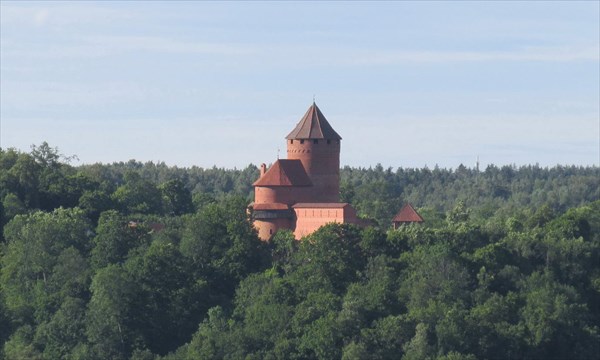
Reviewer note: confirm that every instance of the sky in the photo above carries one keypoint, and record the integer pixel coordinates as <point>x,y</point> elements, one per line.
<point>406,84</point>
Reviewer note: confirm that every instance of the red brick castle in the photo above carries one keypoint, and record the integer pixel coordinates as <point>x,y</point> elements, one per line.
<point>302,192</point>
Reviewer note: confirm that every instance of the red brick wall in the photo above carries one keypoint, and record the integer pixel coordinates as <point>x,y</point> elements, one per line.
<point>322,164</point>
<point>267,228</point>
<point>282,194</point>
<point>309,220</point>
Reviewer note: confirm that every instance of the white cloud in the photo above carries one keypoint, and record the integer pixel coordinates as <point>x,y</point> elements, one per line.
<point>167,45</point>
<point>102,46</point>
<point>88,37</point>
<point>59,14</point>
<point>588,52</point>
<point>292,56</point>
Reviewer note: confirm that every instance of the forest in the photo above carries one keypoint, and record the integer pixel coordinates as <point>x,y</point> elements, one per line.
<point>145,261</point>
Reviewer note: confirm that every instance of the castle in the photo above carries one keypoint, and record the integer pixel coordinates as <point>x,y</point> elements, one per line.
<point>302,192</point>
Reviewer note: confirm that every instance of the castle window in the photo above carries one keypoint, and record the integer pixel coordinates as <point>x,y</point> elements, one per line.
<point>328,141</point>
<point>315,141</point>
<point>270,231</point>
<point>301,141</point>
<point>291,141</point>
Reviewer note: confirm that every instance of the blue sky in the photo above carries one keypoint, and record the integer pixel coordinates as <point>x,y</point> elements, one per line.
<point>406,84</point>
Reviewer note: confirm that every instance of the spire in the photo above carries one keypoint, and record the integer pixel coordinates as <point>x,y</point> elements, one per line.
<point>313,125</point>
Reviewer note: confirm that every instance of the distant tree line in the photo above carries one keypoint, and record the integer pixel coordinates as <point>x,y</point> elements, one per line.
<point>496,192</point>
<point>145,261</point>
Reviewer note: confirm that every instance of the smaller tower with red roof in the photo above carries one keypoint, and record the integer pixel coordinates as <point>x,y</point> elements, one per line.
<point>406,215</point>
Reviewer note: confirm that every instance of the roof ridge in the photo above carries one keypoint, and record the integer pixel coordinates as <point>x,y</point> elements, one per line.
<point>317,112</point>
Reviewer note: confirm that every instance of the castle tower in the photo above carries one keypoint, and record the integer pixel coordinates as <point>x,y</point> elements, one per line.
<point>314,142</point>
<point>302,192</point>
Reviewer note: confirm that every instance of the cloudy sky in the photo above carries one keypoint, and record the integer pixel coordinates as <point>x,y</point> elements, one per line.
<point>406,84</point>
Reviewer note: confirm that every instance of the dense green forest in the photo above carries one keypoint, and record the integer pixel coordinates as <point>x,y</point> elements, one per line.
<point>146,261</point>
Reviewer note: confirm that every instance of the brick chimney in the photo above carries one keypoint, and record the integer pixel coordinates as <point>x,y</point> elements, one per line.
<point>263,169</point>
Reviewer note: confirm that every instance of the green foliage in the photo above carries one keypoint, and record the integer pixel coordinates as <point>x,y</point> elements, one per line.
<point>419,346</point>
<point>60,335</point>
<point>162,262</point>
<point>115,237</point>
<point>330,258</point>
<point>6,329</point>
<point>283,245</point>
<point>177,200</point>
<point>437,299</point>
<point>108,318</point>
<point>556,322</point>
<point>221,244</point>
<point>43,261</point>
<point>138,196</point>
<point>200,200</point>
<point>378,193</point>
<point>460,214</point>
<point>20,346</point>
<point>210,342</point>
<point>383,340</point>
<point>94,203</point>
<point>12,206</point>
<point>168,303</point>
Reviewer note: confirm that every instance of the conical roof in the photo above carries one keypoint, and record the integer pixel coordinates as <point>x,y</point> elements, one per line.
<point>313,125</point>
<point>285,172</point>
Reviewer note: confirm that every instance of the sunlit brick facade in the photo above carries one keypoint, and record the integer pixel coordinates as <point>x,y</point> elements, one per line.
<point>302,192</point>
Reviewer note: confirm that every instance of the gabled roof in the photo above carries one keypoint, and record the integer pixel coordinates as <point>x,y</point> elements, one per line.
<point>313,125</point>
<point>407,214</point>
<point>285,173</point>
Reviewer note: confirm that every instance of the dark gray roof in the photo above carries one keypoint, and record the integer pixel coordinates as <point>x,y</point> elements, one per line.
<point>313,125</point>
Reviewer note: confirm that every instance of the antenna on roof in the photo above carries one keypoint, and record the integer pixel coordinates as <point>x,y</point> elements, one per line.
<point>277,153</point>
<point>313,98</point>
<point>477,171</point>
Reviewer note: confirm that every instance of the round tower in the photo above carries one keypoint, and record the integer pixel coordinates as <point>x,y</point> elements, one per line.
<point>283,185</point>
<point>314,142</point>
